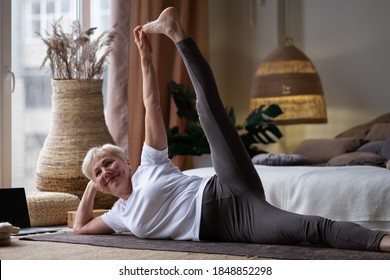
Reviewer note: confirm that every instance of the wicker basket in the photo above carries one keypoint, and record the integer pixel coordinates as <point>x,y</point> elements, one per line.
<point>78,124</point>
<point>50,208</point>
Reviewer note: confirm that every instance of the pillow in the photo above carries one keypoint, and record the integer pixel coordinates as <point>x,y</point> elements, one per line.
<point>385,118</point>
<point>280,159</point>
<point>385,151</point>
<point>359,131</point>
<point>379,131</point>
<point>374,147</point>
<point>357,158</point>
<point>322,150</point>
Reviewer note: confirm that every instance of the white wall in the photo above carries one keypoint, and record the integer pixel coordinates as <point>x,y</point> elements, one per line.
<point>347,40</point>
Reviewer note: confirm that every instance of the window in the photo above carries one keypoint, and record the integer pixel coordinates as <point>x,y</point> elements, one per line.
<point>31,100</point>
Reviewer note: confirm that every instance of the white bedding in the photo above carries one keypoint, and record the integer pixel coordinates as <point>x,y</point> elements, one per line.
<point>348,193</point>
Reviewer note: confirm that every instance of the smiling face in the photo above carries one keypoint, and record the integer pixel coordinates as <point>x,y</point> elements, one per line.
<point>109,168</point>
<point>113,175</point>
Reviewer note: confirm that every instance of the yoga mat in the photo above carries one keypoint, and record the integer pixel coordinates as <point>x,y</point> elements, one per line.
<point>237,249</point>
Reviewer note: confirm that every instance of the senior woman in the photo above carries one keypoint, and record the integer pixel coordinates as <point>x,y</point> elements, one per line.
<point>158,201</point>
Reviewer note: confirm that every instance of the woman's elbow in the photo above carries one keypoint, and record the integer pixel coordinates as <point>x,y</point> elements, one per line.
<point>78,229</point>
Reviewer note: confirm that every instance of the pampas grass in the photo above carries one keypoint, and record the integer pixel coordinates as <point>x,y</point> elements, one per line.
<point>74,55</point>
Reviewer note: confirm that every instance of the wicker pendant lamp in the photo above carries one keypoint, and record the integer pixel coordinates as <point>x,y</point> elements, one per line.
<point>288,78</point>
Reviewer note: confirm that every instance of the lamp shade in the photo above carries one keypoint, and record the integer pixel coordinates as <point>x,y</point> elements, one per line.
<point>288,78</point>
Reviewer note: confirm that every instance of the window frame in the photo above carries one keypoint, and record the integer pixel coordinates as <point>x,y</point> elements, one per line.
<point>7,82</point>
<point>5,95</point>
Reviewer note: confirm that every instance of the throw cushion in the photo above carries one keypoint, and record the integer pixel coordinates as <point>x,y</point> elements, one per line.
<point>357,158</point>
<point>280,159</point>
<point>360,131</point>
<point>379,131</point>
<point>374,147</point>
<point>322,150</point>
<point>385,151</point>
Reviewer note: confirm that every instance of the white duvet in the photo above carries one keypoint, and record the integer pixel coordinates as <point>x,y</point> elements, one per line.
<point>348,193</point>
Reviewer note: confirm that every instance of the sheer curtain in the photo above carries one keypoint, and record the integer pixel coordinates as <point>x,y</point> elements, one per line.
<point>125,111</point>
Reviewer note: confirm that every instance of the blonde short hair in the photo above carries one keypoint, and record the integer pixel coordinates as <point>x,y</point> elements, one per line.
<point>97,153</point>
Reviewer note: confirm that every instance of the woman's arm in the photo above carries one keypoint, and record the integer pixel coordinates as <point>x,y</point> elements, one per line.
<point>85,223</point>
<point>155,131</point>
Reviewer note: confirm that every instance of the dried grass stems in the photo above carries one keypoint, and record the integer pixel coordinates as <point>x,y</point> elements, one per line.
<point>74,55</point>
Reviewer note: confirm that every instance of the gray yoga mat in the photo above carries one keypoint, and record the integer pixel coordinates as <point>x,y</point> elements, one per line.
<point>238,249</point>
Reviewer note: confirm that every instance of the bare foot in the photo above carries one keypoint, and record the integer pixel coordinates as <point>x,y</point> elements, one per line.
<point>384,246</point>
<point>168,23</point>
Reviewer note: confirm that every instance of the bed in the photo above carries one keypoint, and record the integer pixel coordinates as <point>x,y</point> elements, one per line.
<point>346,193</point>
<point>344,178</point>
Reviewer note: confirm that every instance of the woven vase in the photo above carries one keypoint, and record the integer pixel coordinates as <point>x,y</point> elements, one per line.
<point>78,124</point>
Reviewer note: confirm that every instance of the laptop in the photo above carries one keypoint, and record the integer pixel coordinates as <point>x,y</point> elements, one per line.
<point>14,209</point>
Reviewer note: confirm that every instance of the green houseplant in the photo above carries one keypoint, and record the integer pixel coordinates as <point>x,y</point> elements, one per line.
<point>76,63</point>
<point>257,128</point>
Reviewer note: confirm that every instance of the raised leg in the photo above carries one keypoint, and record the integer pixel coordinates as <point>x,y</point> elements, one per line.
<point>230,159</point>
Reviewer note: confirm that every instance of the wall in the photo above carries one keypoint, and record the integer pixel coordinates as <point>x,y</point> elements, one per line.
<point>347,40</point>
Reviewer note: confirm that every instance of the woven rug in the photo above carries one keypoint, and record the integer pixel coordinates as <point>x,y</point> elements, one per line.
<point>237,249</point>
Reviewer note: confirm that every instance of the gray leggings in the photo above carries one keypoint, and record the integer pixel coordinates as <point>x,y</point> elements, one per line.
<point>234,207</point>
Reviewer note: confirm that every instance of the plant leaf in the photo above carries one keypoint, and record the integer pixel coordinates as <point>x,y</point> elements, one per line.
<point>257,128</point>
<point>185,100</point>
<point>273,111</point>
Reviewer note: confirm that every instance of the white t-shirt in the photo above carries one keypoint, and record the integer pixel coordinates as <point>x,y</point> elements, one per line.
<point>164,204</point>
